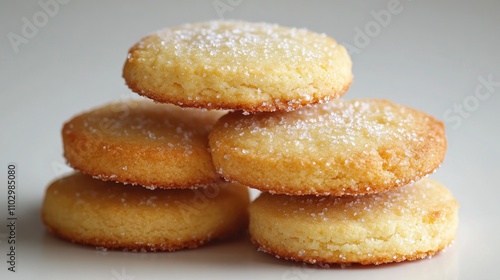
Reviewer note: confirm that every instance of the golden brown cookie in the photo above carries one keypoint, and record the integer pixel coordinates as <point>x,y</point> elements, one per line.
<point>140,142</point>
<point>84,210</point>
<point>344,147</point>
<point>408,223</point>
<point>238,65</point>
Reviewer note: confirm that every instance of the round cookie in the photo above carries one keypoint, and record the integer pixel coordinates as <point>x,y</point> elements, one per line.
<point>409,223</point>
<point>342,147</point>
<point>84,210</point>
<point>238,65</point>
<point>140,142</point>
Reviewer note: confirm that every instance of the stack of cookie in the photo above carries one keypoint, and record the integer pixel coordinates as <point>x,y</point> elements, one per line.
<point>340,179</point>
<point>174,200</point>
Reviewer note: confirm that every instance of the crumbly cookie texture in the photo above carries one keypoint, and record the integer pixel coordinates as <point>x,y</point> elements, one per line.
<point>238,65</point>
<point>108,215</point>
<point>409,223</point>
<point>344,147</point>
<point>140,142</point>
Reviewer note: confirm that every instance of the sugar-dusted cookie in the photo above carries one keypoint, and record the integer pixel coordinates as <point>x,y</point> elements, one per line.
<point>238,65</point>
<point>140,142</point>
<point>84,210</point>
<point>344,147</point>
<point>408,223</point>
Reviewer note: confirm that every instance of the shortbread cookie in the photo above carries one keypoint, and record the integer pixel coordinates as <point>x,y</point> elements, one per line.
<point>84,210</point>
<point>409,223</point>
<point>238,65</point>
<point>139,142</point>
<point>341,147</point>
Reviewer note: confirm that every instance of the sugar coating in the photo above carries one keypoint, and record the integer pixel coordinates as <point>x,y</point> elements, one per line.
<point>112,216</point>
<point>408,223</point>
<point>238,65</point>
<point>145,121</point>
<point>139,142</point>
<point>340,147</point>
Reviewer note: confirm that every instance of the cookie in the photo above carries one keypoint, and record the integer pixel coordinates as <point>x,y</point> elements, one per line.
<point>84,210</point>
<point>408,223</point>
<point>140,142</point>
<point>344,147</point>
<point>238,65</point>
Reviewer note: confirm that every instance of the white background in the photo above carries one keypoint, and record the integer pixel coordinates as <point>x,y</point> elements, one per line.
<point>430,55</point>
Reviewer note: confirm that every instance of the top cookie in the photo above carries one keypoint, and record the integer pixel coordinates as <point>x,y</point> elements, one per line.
<point>344,147</point>
<point>238,65</point>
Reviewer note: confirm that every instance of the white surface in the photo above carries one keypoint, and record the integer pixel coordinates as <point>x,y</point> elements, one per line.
<point>429,56</point>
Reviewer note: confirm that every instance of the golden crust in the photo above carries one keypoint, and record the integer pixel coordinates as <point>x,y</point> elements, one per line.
<point>326,262</point>
<point>270,106</point>
<point>236,65</point>
<point>344,147</point>
<point>409,223</point>
<point>140,142</point>
<point>84,210</point>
